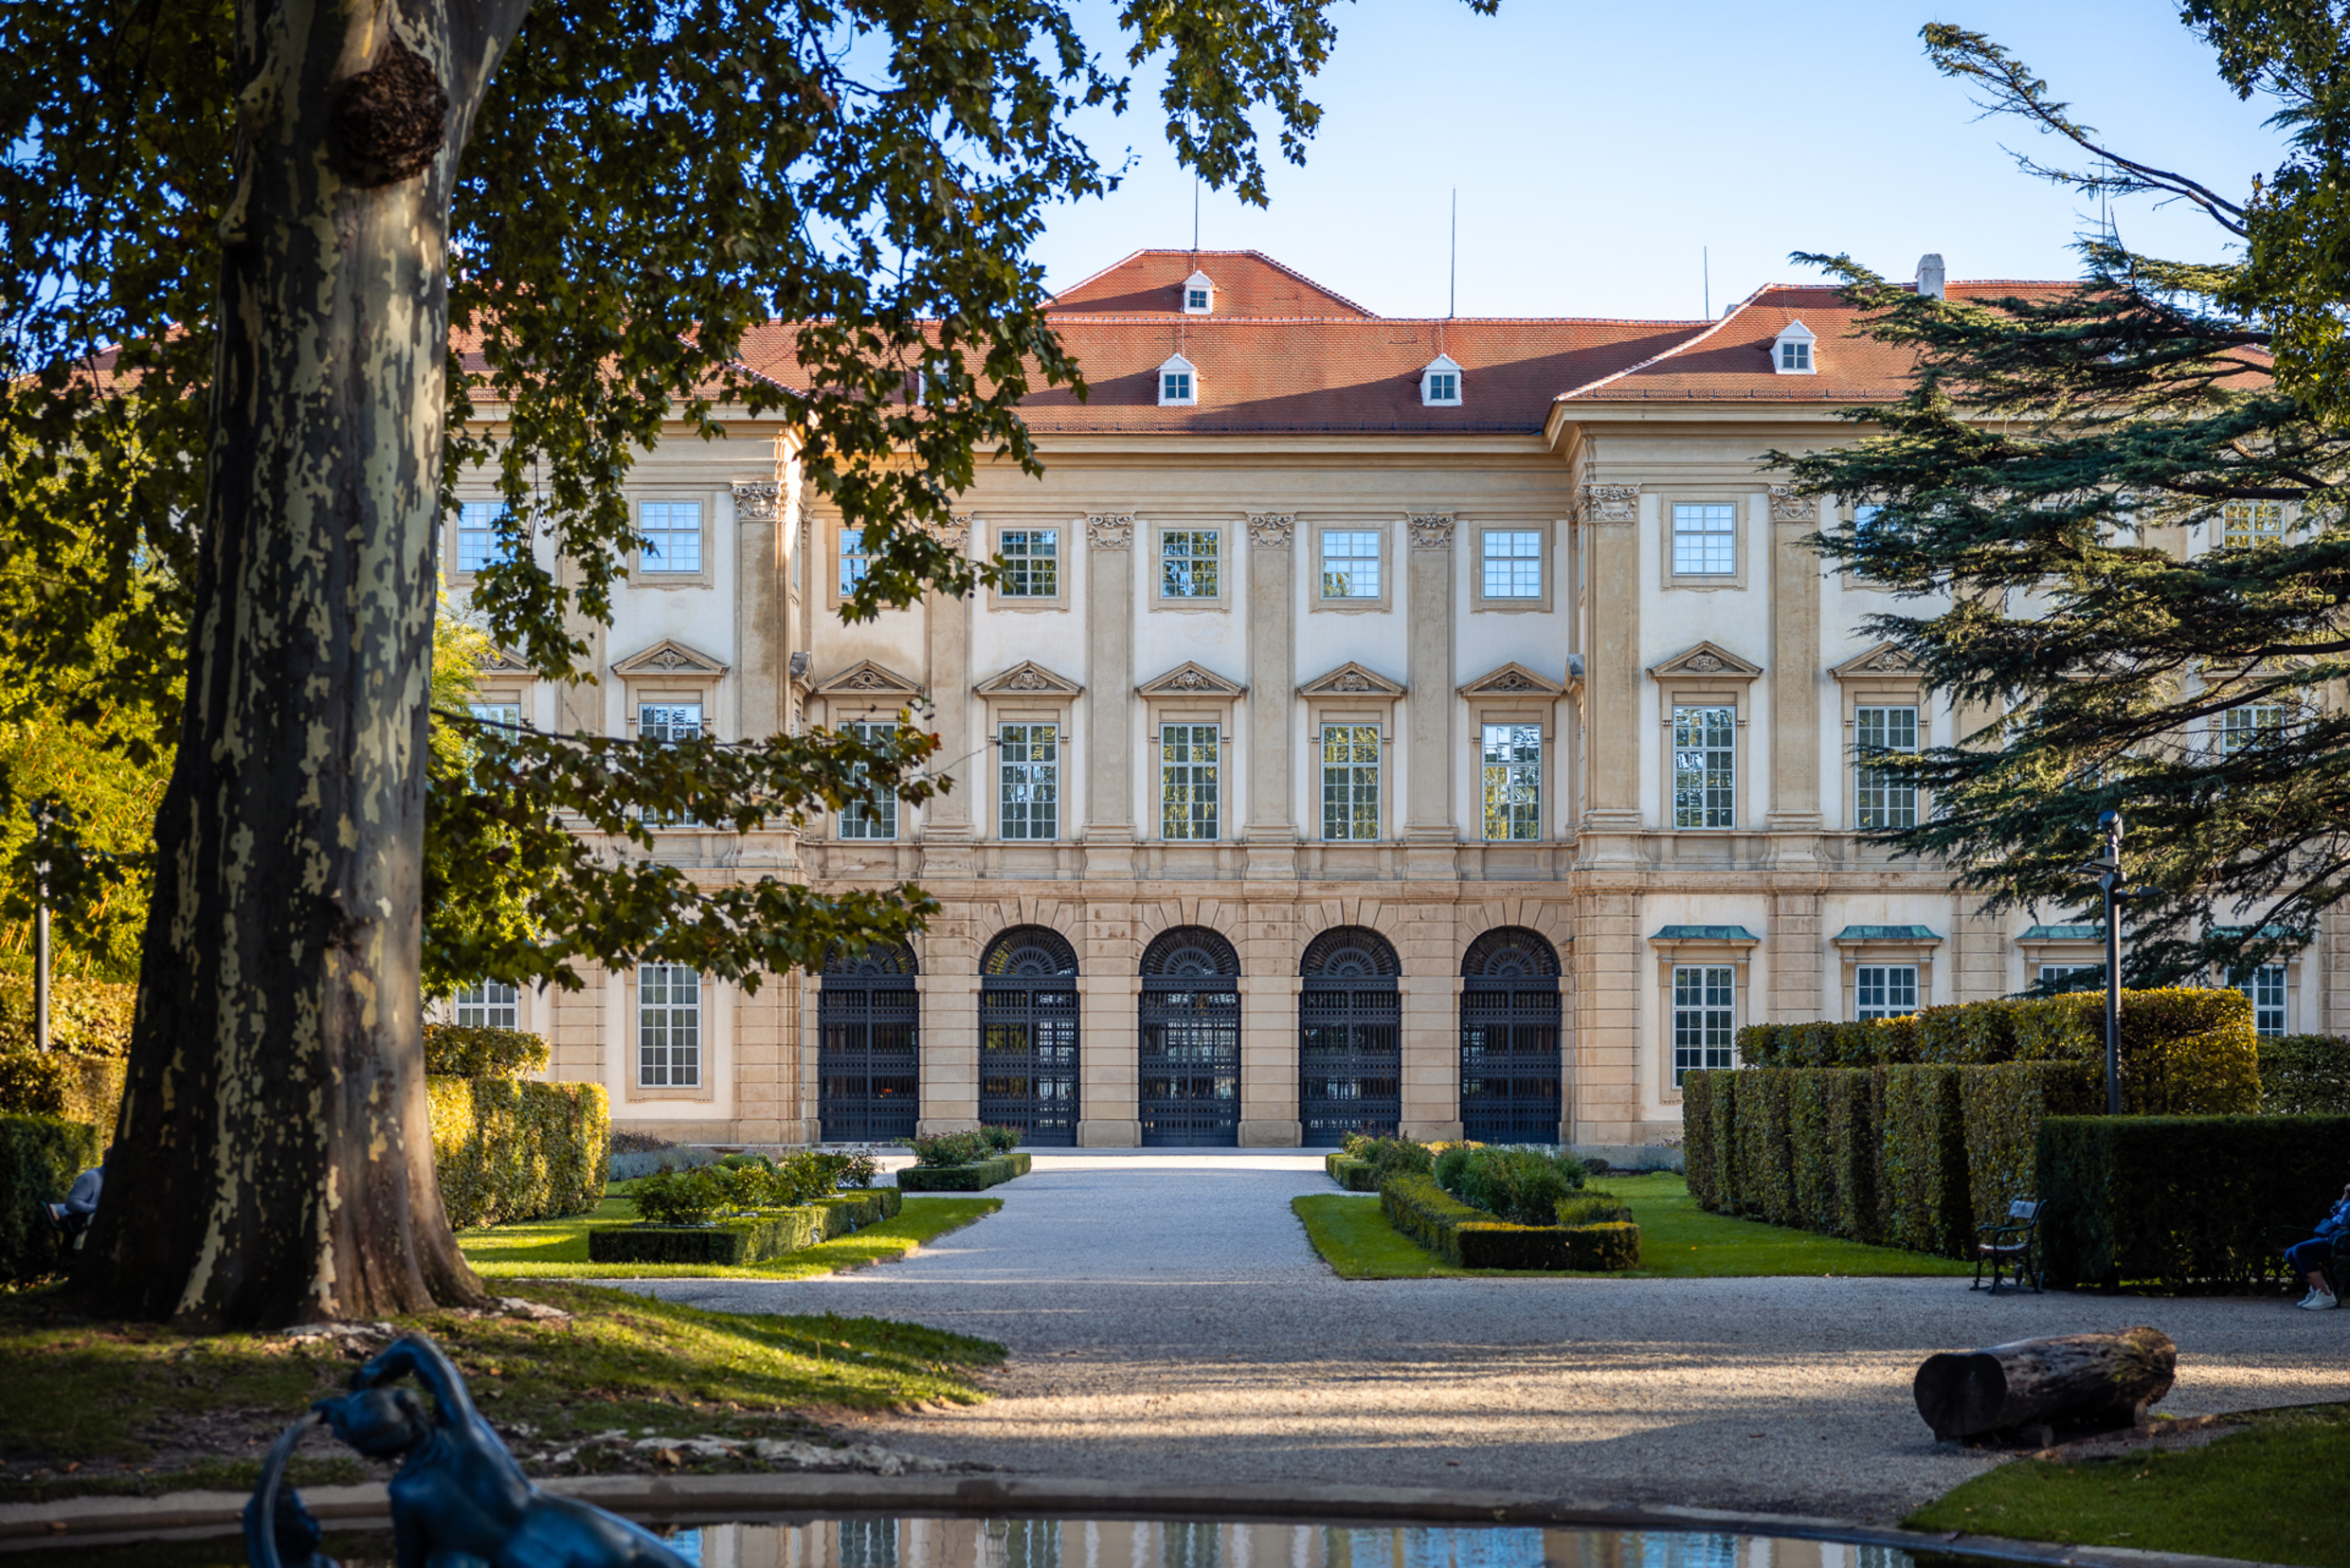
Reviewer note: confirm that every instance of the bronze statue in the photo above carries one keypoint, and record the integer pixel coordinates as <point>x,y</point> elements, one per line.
<point>459,1501</point>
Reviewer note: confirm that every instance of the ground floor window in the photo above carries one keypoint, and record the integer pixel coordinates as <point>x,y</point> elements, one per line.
<point>489,1005</point>
<point>1885,990</point>
<point>1704,1018</point>
<point>669,1026</point>
<point>2073,976</point>
<point>2266,986</point>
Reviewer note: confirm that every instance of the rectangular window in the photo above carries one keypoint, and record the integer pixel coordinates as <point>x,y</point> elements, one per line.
<point>855,563</point>
<point>1883,801</point>
<point>2074,977</point>
<point>2266,986</point>
<point>1349,782</point>
<point>1175,387</point>
<point>1351,564</point>
<point>476,533</point>
<point>1189,754</point>
<point>1705,540</point>
<point>879,820</point>
<point>1513,781</point>
<point>2244,524</point>
<point>673,536</point>
<point>1443,386</point>
<point>665,724</point>
<point>2254,724</point>
<point>1513,564</point>
<point>1884,991</point>
<point>669,1026</point>
<point>1704,746</point>
<point>1795,354</point>
<point>507,714</point>
<point>1188,564</point>
<point>1195,299</point>
<point>491,1004</point>
<point>1031,560</point>
<point>1031,774</point>
<point>1704,1020</point>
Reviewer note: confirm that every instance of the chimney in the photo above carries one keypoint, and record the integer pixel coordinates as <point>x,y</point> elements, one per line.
<point>1929,276</point>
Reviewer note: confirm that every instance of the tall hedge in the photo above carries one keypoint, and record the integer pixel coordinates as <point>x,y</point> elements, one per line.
<point>1763,1142</point>
<point>1922,1188</point>
<point>40,1156</point>
<point>2001,1109</point>
<point>1698,1164</point>
<point>2305,1076</point>
<point>507,1149</point>
<point>72,1086</point>
<point>1833,1119</point>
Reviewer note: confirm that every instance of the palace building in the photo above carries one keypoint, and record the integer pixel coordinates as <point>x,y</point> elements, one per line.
<point>1382,723</point>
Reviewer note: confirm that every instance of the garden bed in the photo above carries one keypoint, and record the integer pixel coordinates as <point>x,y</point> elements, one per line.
<point>1468,1237</point>
<point>971,1176</point>
<point>743,1239</point>
<point>557,1249</point>
<point>1352,1173</point>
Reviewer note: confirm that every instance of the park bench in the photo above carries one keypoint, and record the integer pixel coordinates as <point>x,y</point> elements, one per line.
<point>2283,1236</point>
<point>2009,1245</point>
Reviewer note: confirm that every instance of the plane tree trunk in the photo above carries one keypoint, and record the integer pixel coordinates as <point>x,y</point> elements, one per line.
<point>273,1161</point>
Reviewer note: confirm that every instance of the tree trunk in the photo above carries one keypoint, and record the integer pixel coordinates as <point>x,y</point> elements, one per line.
<point>2040,1382</point>
<point>273,1161</point>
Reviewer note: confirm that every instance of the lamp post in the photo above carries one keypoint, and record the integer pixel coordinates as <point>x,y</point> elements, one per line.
<point>2107,869</point>
<point>43,816</point>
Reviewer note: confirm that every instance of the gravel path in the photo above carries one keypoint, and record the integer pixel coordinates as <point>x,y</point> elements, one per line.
<point>1168,1321</point>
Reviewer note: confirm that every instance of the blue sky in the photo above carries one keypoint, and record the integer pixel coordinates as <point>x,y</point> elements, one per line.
<point>1597,147</point>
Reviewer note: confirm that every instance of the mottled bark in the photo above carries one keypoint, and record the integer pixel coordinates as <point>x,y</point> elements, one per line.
<point>2039,1383</point>
<point>273,1163</point>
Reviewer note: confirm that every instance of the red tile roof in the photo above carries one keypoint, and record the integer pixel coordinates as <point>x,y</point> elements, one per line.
<point>1248,283</point>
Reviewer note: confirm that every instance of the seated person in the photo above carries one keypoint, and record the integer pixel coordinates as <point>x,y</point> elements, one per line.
<point>73,1216</point>
<point>2309,1258</point>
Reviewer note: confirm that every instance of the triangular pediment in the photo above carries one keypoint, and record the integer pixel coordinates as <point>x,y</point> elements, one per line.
<point>1709,660</point>
<point>1352,680</point>
<point>1028,678</point>
<point>501,662</point>
<point>1886,661</point>
<point>866,679</point>
<point>1512,680</point>
<point>669,657</point>
<point>1189,679</point>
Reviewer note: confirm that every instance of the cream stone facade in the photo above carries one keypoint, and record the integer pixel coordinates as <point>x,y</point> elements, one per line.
<point>1373,756</point>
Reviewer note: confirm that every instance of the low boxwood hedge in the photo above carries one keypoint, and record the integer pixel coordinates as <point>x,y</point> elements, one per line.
<point>969,1178</point>
<point>1471,1238</point>
<point>1352,1173</point>
<point>40,1156</point>
<point>754,1238</point>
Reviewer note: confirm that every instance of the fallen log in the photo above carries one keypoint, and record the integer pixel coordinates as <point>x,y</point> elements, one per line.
<point>2096,1377</point>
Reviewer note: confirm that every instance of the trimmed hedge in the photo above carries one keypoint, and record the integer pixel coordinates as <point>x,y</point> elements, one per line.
<point>40,1156</point>
<point>1352,1173</point>
<point>451,1052</point>
<point>87,1017</point>
<point>1699,1167</point>
<point>2001,1109</point>
<point>1467,1237</point>
<point>2181,1200</point>
<point>1922,1184</point>
<point>970,1177</point>
<point>754,1238</point>
<point>69,1086</point>
<point>509,1149</point>
<point>2305,1076</point>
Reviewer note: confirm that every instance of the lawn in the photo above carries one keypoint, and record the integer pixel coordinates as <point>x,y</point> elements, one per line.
<point>2271,1493</point>
<point>1678,1241</point>
<point>557,1249</point>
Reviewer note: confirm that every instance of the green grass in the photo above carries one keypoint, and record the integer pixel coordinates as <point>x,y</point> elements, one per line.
<point>557,1249</point>
<point>1678,1241</point>
<point>2272,1493</point>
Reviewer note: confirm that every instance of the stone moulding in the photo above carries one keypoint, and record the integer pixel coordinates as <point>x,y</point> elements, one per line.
<point>1788,507</point>
<point>1886,661</point>
<point>1708,660</point>
<point>1352,680</point>
<point>1109,529</point>
<point>866,679</point>
<point>1609,503</point>
<point>1510,680</point>
<point>760,501</point>
<point>1189,679</point>
<point>669,657</point>
<point>1028,678</point>
<point>1272,530</point>
<point>1430,529</point>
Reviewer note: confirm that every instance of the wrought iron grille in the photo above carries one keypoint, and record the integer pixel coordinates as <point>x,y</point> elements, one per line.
<point>1189,1061</point>
<point>1029,1035</point>
<point>1510,1018</point>
<point>868,1054</point>
<point>1350,1039</point>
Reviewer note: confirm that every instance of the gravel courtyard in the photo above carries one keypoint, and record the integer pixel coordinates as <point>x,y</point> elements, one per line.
<point>1168,1321</point>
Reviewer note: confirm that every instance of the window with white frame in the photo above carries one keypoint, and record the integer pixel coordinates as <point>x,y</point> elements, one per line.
<point>1349,782</point>
<point>506,713</point>
<point>1195,300</point>
<point>1439,383</point>
<point>1865,519</point>
<point>489,1004</point>
<point>1791,351</point>
<point>1199,294</point>
<point>879,820</point>
<point>1703,765</point>
<point>1188,783</point>
<point>1188,563</point>
<point>1881,801</point>
<point>1705,540</point>
<point>669,1026</point>
<point>1513,563</point>
<point>2244,524</point>
<point>2255,724</point>
<point>673,536</point>
<point>1351,563</point>
<point>1884,990</point>
<point>854,562</point>
<point>666,723</point>
<point>1030,558</point>
<point>2073,976</point>
<point>1513,762</point>
<point>1030,775</point>
<point>2265,985</point>
<point>1179,383</point>
<point>1705,1021</point>
<point>476,533</point>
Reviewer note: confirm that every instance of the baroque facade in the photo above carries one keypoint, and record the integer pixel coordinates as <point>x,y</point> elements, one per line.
<point>1434,724</point>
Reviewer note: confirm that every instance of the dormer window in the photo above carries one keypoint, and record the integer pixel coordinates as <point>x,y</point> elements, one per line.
<point>1439,384</point>
<point>1199,294</point>
<point>1179,384</point>
<point>1791,353</point>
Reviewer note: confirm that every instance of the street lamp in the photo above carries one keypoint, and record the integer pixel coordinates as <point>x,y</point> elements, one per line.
<point>43,816</point>
<point>2106,867</point>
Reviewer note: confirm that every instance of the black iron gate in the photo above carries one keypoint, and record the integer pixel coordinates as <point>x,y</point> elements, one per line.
<point>1029,1035</point>
<point>1509,1063</point>
<point>868,1053</point>
<point>1189,1062</point>
<point>1349,1038</point>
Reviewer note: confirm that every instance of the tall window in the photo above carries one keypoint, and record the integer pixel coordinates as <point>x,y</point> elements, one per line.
<point>1884,802</point>
<point>1031,775</point>
<point>2254,724</point>
<point>879,820</point>
<point>1513,563</point>
<point>491,1004</point>
<point>855,563</point>
<point>1884,990</point>
<point>1349,782</point>
<point>673,536</point>
<point>1351,564</point>
<point>2243,524</point>
<point>1187,563</point>
<point>669,1026</point>
<point>1704,1022</point>
<point>1512,756</point>
<point>2266,986</point>
<point>668,723</point>
<point>1187,781</point>
<point>1705,540</point>
<point>1704,784</point>
<point>1031,562</point>
<point>476,533</point>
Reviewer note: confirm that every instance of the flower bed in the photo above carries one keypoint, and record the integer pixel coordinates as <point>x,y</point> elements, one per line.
<point>744,1239</point>
<point>969,1177</point>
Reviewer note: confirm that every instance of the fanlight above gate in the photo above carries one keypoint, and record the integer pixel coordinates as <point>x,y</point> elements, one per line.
<point>1029,952</point>
<point>1188,950</point>
<point>879,961</point>
<point>1349,952</point>
<point>1511,952</point>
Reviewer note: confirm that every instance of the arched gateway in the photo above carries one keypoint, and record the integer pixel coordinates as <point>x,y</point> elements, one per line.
<point>1509,1068</point>
<point>869,1045</point>
<point>1349,1037</point>
<point>1189,1039</point>
<point>1028,1035</point>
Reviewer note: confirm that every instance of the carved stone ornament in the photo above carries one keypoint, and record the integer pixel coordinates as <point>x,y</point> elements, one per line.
<point>1788,507</point>
<point>1351,679</point>
<point>1611,503</point>
<point>1512,679</point>
<point>1028,678</point>
<point>1191,680</point>
<point>1886,660</point>
<point>1707,658</point>
<point>501,662</point>
<point>1109,529</point>
<point>1704,664</point>
<point>1431,530</point>
<point>955,532</point>
<point>760,502</point>
<point>1272,530</point>
<point>669,657</point>
<point>865,678</point>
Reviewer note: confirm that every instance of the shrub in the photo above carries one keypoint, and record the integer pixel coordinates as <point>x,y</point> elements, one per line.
<point>639,1142</point>
<point>1468,1237</point>
<point>683,1197</point>
<point>1922,1200</point>
<point>2305,1076</point>
<point>944,1150</point>
<point>1392,1156</point>
<point>1520,1185</point>
<point>1697,1141</point>
<point>1760,1045</point>
<point>1349,1173</point>
<point>1002,1139</point>
<point>737,1242</point>
<point>858,1170</point>
<point>2181,1200</point>
<point>87,1017</point>
<point>506,1149</point>
<point>1763,1145</point>
<point>1721,1125</point>
<point>66,1085</point>
<point>1592,1207</point>
<point>2000,1109</point>
<point>40,1156</point>
<point>454,1053</point>
<point>970,1177</point>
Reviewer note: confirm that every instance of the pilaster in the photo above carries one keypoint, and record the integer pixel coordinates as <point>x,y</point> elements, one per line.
<point>1798,959</point>
<point>1429,831</point>
<point>1613,971</point>
<point>1795,673</point>
<point>1110,700</point>
<point>1271,829</point>
<point>1610,518</point>
<point>946,820</point>
<point>948,987</point>
<point>1108,1006</point>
